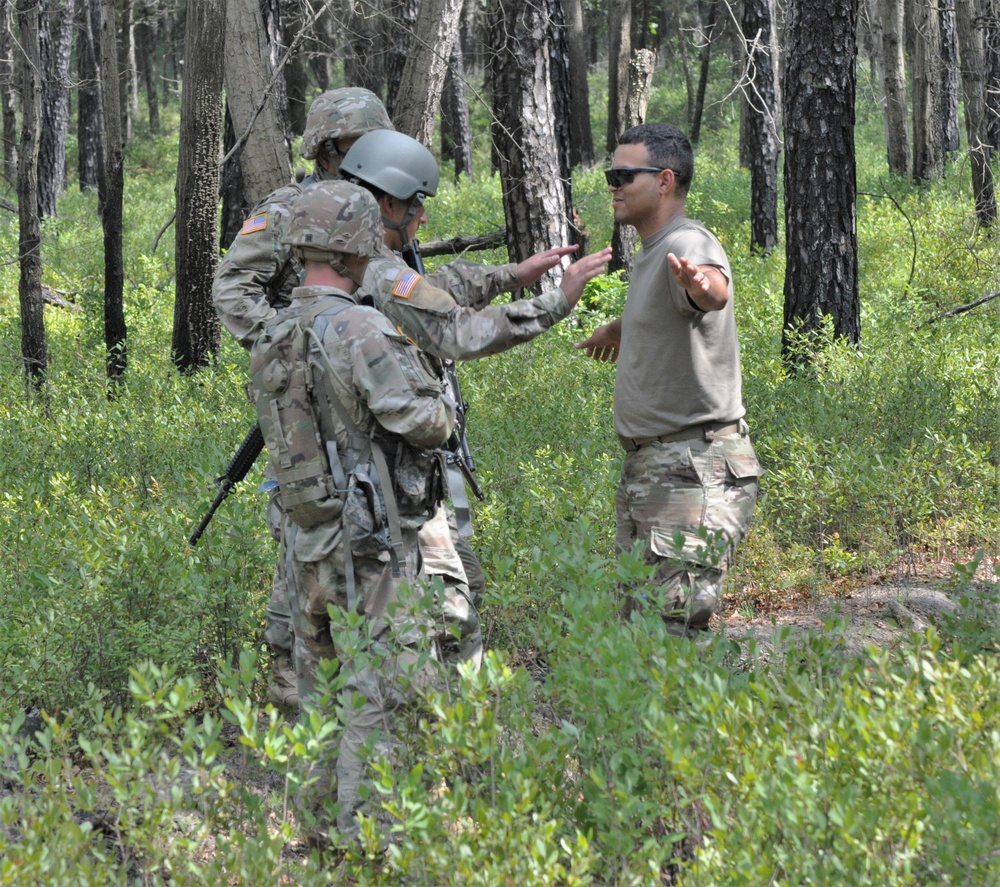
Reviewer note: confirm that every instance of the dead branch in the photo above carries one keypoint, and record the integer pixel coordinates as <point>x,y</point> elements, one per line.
<point>961,309</point>
<point>458,245</point>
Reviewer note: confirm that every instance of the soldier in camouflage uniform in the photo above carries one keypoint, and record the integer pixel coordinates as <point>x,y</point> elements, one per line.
<point>371,389</point>
<point>256,277</point>
<point>689,482</point>
<point>402,174</point>
<point>258,273</point>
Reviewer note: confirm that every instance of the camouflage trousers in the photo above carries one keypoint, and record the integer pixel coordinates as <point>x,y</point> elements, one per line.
<point>278,621</point>
<point>443,554</point>
<point>381,667</point>
<point>690,502</point>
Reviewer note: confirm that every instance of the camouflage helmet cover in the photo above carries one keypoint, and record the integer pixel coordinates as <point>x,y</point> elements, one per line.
<point>394,163</point>
<point>342,114</point>
<point>334,216</point>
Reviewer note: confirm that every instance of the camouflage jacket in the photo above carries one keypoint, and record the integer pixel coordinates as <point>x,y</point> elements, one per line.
<point>258,273</point>
<point>381,377</point>
<point>442,324</point>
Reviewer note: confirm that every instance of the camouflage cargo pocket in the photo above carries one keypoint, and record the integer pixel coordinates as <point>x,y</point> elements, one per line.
<point>703,549</point>
<point>741,462</point>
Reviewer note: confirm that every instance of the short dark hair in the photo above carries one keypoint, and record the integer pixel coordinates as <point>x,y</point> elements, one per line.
<point>667,146</point>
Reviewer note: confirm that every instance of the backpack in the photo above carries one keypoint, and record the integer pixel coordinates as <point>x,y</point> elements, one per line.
<point>281,388</point>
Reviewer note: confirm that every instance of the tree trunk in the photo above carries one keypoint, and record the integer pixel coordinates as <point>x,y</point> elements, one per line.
<point>456,127</point>
<point>682,49</point>
<point>419,97</point>
<point>821,275</point>
<point>90,111</point>
<point>400,24</point>
<point>761,123</point>
<point>989,16</point>
<point>250,82</point>
<point>523,134</point>
<point>8,90</point>
<point>55,33</point>
<point>640,79</point>
<point>235,205</point>
<point>619,55</point>
<point>127,95</point>
<point>145,38</point>
<point>34,348</point>
<point>364,64</point>
<point>296,70</point>
<point>581,134</point>
<point>327,28</point>
<point>949,77</point>
<point>562,107</point>
<point>897,129</point>
<point>112,191</point>
<point>196,334</point>
<point>710,15</point>
<point>974,92</point>
<point>928,133</point>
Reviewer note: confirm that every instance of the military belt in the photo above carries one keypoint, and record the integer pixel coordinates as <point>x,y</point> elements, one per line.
<point>705,430</point>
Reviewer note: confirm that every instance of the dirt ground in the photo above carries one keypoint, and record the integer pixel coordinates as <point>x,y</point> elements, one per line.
<point>881,613</point>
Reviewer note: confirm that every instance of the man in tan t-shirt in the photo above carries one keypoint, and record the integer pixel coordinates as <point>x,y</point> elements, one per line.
<point>689,481</point>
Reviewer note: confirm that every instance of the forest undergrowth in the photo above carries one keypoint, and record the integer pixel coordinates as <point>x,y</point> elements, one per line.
<point>586,751</point>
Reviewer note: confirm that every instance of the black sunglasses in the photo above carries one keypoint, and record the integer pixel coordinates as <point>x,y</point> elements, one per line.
<point>625,175</point>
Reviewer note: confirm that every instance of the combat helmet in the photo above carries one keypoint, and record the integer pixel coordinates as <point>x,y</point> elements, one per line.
<point>331,219</point>
<point>393,163</point>
<point>342,114</point>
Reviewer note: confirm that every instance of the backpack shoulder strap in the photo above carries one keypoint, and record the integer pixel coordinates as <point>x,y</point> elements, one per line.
<point>314,325</point>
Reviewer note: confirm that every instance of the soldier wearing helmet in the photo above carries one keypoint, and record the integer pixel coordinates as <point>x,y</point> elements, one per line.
<point>370,392</point>
<point>257,272</point>
<point>257,275</point>
<point>448,314</point>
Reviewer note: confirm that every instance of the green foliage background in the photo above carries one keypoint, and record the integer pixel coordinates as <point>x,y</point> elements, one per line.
<point>633,758</point>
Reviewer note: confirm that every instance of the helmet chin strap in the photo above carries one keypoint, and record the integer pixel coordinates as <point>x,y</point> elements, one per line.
<point>340,266</point>
<point>401,227</point>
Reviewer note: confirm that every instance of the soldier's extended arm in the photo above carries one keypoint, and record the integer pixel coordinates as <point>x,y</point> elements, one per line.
<point>439,325</point>
<point>431,317</point>
<point>475,286</point>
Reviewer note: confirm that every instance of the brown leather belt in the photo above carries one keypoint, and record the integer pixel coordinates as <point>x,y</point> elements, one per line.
<point>705,431</point>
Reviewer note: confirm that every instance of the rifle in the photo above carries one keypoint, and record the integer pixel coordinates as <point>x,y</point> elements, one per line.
<point>459,453</point>
<point>237,469</point>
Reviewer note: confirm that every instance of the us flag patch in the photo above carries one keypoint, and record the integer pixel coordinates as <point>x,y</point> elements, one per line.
<point>254,224</point>
<point>405,285</point>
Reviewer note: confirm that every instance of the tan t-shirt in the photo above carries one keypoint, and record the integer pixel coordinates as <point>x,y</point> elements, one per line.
<point>678,366</point>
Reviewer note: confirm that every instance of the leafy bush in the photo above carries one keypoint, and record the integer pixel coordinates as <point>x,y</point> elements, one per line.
<point>586,751</point>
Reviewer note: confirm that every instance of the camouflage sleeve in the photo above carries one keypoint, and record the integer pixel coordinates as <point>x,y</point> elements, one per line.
<point>404,394</point>
<point>474,285</point>
<point>256,273</point>
<point>432,319</point>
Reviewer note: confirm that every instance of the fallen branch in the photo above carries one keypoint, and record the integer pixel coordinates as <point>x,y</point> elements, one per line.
<point>55,297</point>
<point>961,309</point>
<point>459,245</point>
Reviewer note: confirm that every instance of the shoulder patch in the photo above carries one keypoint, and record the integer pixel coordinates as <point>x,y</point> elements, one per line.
<point>405,285</point>
<point>254,224</point>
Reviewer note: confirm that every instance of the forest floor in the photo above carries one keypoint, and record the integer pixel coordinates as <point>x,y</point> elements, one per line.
<point>881,612</point>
